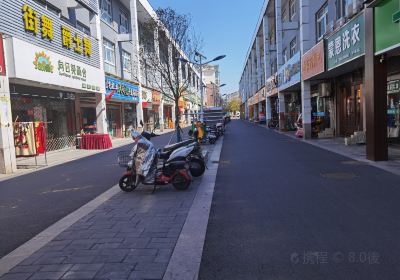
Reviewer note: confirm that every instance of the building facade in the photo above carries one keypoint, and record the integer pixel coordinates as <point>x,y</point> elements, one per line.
<point>308,58</point>
<point>211,81</point>
<point>70,67</point>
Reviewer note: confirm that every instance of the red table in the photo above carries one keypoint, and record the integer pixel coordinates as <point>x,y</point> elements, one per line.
<point>95,142</point>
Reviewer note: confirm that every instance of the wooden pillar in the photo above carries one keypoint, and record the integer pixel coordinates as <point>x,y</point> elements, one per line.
<point>375,95</point>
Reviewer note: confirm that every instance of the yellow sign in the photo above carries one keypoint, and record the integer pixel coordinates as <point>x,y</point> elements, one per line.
<point>31,21</point>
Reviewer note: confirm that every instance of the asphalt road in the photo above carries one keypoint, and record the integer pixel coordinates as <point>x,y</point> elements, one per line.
<point>283,209</point>
<point>32,202</point>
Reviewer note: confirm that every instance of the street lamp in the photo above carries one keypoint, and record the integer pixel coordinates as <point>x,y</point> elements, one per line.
<point>200,64</point>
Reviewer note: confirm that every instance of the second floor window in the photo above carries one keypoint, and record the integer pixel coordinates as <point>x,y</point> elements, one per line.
<point>293,47</point>
<point>109,56</point>
<point>284,15</point>
<point>123,23</point>
<point>106,12</point>
<point>285,55</point>
<point>126,61</point>
<point>322,21</point>
<point>344,8</point>
<point>85,29</point>
<point>292,9</point>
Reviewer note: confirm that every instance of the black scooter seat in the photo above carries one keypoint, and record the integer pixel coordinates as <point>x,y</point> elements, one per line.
<point>175,146</point>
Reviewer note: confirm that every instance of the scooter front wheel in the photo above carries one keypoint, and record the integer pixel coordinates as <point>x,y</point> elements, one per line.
<point>127,183</point>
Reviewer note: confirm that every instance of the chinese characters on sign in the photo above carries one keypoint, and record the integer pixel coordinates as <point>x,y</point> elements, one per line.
<point>121,90</point>
<point>347,43</point>
<point>313,62</point>
<point>76,42</point>
<point>289,73</point>
<point>156,97</point>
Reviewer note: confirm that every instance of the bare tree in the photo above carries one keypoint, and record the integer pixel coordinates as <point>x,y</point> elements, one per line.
<point>164,41</point>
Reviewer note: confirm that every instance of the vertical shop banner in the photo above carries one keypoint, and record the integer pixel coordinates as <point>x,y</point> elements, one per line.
<point>2,60</point>
<point>156,96</point>
<point>147,98</point>
<point>347,43</point>
<point>387,26</point>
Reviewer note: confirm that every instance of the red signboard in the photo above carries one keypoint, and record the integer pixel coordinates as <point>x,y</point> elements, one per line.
<point>156,97</point>
<point>313,61</point>
<point>2,62</point>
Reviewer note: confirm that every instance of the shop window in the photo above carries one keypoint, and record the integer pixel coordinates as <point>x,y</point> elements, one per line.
<point>123,23</point>
<point>109,56</point>
<point>292,9</point>
<point>106,11</point>
<point>293,47</point>
<point>321,19</point>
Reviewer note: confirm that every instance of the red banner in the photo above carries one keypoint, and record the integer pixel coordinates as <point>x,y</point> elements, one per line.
<point>2,62</point>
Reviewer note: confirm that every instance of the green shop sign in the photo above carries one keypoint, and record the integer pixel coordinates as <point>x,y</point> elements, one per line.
<point>347,43</point>
<point>387,26</point>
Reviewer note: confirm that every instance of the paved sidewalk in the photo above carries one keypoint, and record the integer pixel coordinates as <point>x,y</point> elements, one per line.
<point>27,165</point>
<point>129,236</point>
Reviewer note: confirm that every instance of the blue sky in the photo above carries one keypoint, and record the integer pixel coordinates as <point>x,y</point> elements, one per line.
<point>225,26</point>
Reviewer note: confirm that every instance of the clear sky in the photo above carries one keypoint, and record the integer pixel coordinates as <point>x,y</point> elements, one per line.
<point>225,26</point>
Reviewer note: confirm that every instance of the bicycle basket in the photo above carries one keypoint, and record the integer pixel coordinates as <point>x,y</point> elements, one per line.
<point>124,158</point>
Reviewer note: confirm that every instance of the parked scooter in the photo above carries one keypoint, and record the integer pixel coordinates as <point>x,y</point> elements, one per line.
<point>189,150</point>
<point>169,171</point>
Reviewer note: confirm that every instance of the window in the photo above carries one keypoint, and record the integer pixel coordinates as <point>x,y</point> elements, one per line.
<point>126,65</point>
<point>293,47</point>
<point>80,26</point>
<point>105,8</point>
<point>322,21</point>
<point>344,8</point>
<point>109,56</point>
<point>285,56</point>
<point>126,61</point>
<point>292,9</point>
<point>123,23</point>
<point>284,15</point>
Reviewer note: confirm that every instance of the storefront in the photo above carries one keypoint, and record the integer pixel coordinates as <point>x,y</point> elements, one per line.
<point>289,87</point>
<point>168,112</point>
<point>387,47</point>
<point>148,113</point>
<point>345,49</point>
<point>121,99</point>
<point>44,88</point>
<point>322,101</point>
<point>271,94</point>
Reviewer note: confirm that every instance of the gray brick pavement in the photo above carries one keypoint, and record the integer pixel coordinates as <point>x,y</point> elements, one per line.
<point>130,236</point>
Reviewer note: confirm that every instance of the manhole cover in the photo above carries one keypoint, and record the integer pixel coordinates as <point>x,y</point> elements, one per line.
<point>353,162</point>
<point>339,175</point>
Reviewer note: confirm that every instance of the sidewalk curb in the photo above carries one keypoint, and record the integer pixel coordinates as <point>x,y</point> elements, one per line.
<point>31,246</point>
<point>186,257</point>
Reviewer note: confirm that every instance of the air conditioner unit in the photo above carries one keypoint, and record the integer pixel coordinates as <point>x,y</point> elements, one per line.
<point>324,89</point>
